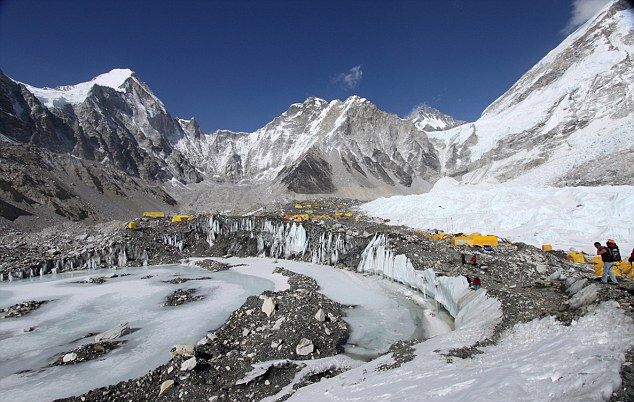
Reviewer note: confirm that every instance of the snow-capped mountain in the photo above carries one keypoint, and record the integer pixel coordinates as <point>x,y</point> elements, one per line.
<point>319,147</point>
<point>428,119</point>
<point>345,147</point>
<point>568,121</point>
<point>114,119</point>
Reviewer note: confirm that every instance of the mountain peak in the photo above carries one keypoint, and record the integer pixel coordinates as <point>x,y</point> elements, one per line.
<point>427,118</point>
<point>77,93</point>
<point>113,78</point>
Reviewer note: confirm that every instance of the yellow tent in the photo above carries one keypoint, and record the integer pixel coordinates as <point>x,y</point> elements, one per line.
<point>576,257</point>
<point>182,218</point>
<point>133,225</point>
<point>619,268</point>
<point>438,236</point>
<point>154,214</point>
<point>296,217</point>
<point>475,239</point>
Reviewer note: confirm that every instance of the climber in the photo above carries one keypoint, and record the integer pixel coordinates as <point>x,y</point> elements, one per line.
<point>463,259</point>
<point>614,250</point>
<point>607,259</point>
<point>475,283</point>
<point>631,259</point>
<point>474,261</point>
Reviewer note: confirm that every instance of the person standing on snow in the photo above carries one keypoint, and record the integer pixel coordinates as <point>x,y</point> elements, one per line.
<point>607,259</point>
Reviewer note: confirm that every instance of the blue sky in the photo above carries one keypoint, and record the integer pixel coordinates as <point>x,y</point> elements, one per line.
<point>238,64</point>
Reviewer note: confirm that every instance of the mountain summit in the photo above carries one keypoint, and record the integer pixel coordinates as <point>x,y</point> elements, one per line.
<point>427,118</point>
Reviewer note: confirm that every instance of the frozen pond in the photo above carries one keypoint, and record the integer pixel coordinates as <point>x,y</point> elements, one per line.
<point>382,315</point>
<point>80,309</point>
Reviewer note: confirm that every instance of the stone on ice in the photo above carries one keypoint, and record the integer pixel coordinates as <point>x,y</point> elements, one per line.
<point>113,333</point>
<point>182,350</point>
<point>188,364</point>
<point>165,386</point>
<point>69,357</point>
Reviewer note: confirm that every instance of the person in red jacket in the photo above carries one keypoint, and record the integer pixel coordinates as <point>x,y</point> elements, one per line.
<point>631,259</point>
<point>475,283</point>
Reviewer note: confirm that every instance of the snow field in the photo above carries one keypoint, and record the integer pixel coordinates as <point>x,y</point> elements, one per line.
<point>567,217</point>
<point>75,94</point>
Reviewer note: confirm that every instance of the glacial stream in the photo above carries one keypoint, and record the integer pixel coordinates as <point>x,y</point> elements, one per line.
<point>381,316</point>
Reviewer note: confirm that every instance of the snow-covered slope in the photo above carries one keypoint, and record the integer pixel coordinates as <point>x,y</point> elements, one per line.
<point>566,217</point>
<point>427,118</point>
<point>74,94</point>
<point>542,360</point>
<point>575,107</point>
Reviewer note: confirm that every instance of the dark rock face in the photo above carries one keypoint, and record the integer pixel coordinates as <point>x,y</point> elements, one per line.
<point>24,119</point>
<point>312,175</point>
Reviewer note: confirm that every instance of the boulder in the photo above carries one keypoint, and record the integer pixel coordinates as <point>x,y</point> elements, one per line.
<point>584,297</point>
<point>69,357</point>
<point>182,350</point>
<point>188,364</point>
<point>304,347</point>
<point>577,286</point>
<point>166,386</point>
<point>268,306</point>
<point>278,324</point>
<point>113,333</point>
<point>320,315</point>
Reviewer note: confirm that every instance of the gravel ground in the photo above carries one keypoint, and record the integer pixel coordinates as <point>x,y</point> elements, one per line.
<point>87,352</point>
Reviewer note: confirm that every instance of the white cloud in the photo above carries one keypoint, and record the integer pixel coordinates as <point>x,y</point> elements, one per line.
<point>582,11</point>
<point>351,78</point>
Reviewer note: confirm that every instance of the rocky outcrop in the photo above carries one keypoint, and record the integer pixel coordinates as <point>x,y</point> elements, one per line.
<point>38,186</point>
<point>122,124</point>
